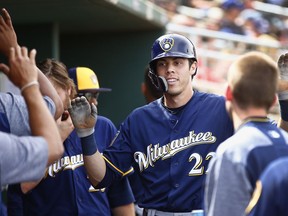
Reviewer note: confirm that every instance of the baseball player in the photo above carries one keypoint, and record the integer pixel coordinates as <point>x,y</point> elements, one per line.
<point>119,194</point>
<point>65,188</point>
<point>270,195</point>
<point>167,143</point>
<point>240,160</point>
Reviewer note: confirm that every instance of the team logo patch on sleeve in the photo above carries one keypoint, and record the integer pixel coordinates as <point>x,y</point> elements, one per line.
<point>166,44</point>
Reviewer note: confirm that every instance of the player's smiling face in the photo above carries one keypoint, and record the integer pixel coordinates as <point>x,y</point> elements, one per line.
<point>177,73</point>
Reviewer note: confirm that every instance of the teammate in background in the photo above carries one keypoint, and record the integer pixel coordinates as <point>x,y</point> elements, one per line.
<point>149,90</point>
<point>65,189</point>
<point>270,195</point>
<point>240,160</point>
<point>119,193</point>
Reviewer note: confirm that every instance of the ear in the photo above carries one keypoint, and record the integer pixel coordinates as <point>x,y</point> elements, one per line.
<point>228,94</point>
<point>193,68</point>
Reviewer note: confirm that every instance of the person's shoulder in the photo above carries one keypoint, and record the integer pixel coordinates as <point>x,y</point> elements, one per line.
<point>147,107</point>
<point>8,96</point>
<point>280,162</point>
<point>276,172</point>
<point>9,100</point>
<point>242,142</point>
<point>209,97</point>
<point>104,120</point>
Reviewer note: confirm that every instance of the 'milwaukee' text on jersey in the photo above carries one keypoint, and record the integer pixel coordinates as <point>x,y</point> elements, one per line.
<point>157,152</point>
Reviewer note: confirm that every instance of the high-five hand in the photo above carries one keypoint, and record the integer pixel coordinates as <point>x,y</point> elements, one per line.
<point>83,116</point>
<point>283,68</point>
<point>8,36</point>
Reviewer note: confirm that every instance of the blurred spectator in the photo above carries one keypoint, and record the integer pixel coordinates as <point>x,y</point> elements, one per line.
<point>214,16</point>
<point>254,24</point>
<point>231,9</point>
<point>182,19</point>
<point>170,6</point>
<point>203,4</point>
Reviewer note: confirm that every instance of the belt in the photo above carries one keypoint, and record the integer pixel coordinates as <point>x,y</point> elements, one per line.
<point>153,212</point>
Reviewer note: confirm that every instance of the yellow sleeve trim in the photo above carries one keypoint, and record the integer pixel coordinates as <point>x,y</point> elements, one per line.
<point>117,169</point>
<point>255,197</point>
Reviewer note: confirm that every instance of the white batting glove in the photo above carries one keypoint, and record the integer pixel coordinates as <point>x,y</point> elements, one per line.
<point>83,116</point>
<point>283,67</point>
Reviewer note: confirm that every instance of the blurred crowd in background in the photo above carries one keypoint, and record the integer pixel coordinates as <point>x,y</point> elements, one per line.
<point>224,29</point>
<point>247,17</point>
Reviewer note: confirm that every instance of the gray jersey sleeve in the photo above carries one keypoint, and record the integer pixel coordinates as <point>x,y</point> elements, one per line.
<point>22,158</point>
<point>15,108</point>
<point>227,188</point>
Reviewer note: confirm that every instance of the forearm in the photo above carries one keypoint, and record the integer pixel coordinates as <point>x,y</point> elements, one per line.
<point>124,210</point>
<point>95,167</point>
<point>27,186</point>
<point>42,123</point>
<point>283,91</point>
<point>47,89</point>
<point>282,85</point>
<point>283,124</point>
<point>283,121</point>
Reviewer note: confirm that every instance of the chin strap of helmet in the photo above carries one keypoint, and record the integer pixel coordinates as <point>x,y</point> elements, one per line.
<point>158,81</point>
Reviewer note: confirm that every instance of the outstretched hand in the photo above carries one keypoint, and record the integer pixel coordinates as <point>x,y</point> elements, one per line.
<point>8,37</point>
<point>83,116</point>
<point>283,68</point>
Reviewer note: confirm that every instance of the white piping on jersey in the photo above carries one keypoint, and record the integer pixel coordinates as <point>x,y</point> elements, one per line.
<point>156,152</point>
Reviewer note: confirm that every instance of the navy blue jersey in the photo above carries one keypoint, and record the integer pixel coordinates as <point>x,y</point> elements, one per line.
<point>270,195</point>
<point>170,150</point>
<point>65,189</point>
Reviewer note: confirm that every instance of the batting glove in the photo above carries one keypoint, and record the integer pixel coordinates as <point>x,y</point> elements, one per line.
<point>283,67</point>
<point>83,116</point>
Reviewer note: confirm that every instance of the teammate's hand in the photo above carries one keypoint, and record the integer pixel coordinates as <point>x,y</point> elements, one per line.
<point>8,36</point>
<point>65,126</point>
<point>83,116</point>
<point>283,68</point>
<point>22,68</point>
